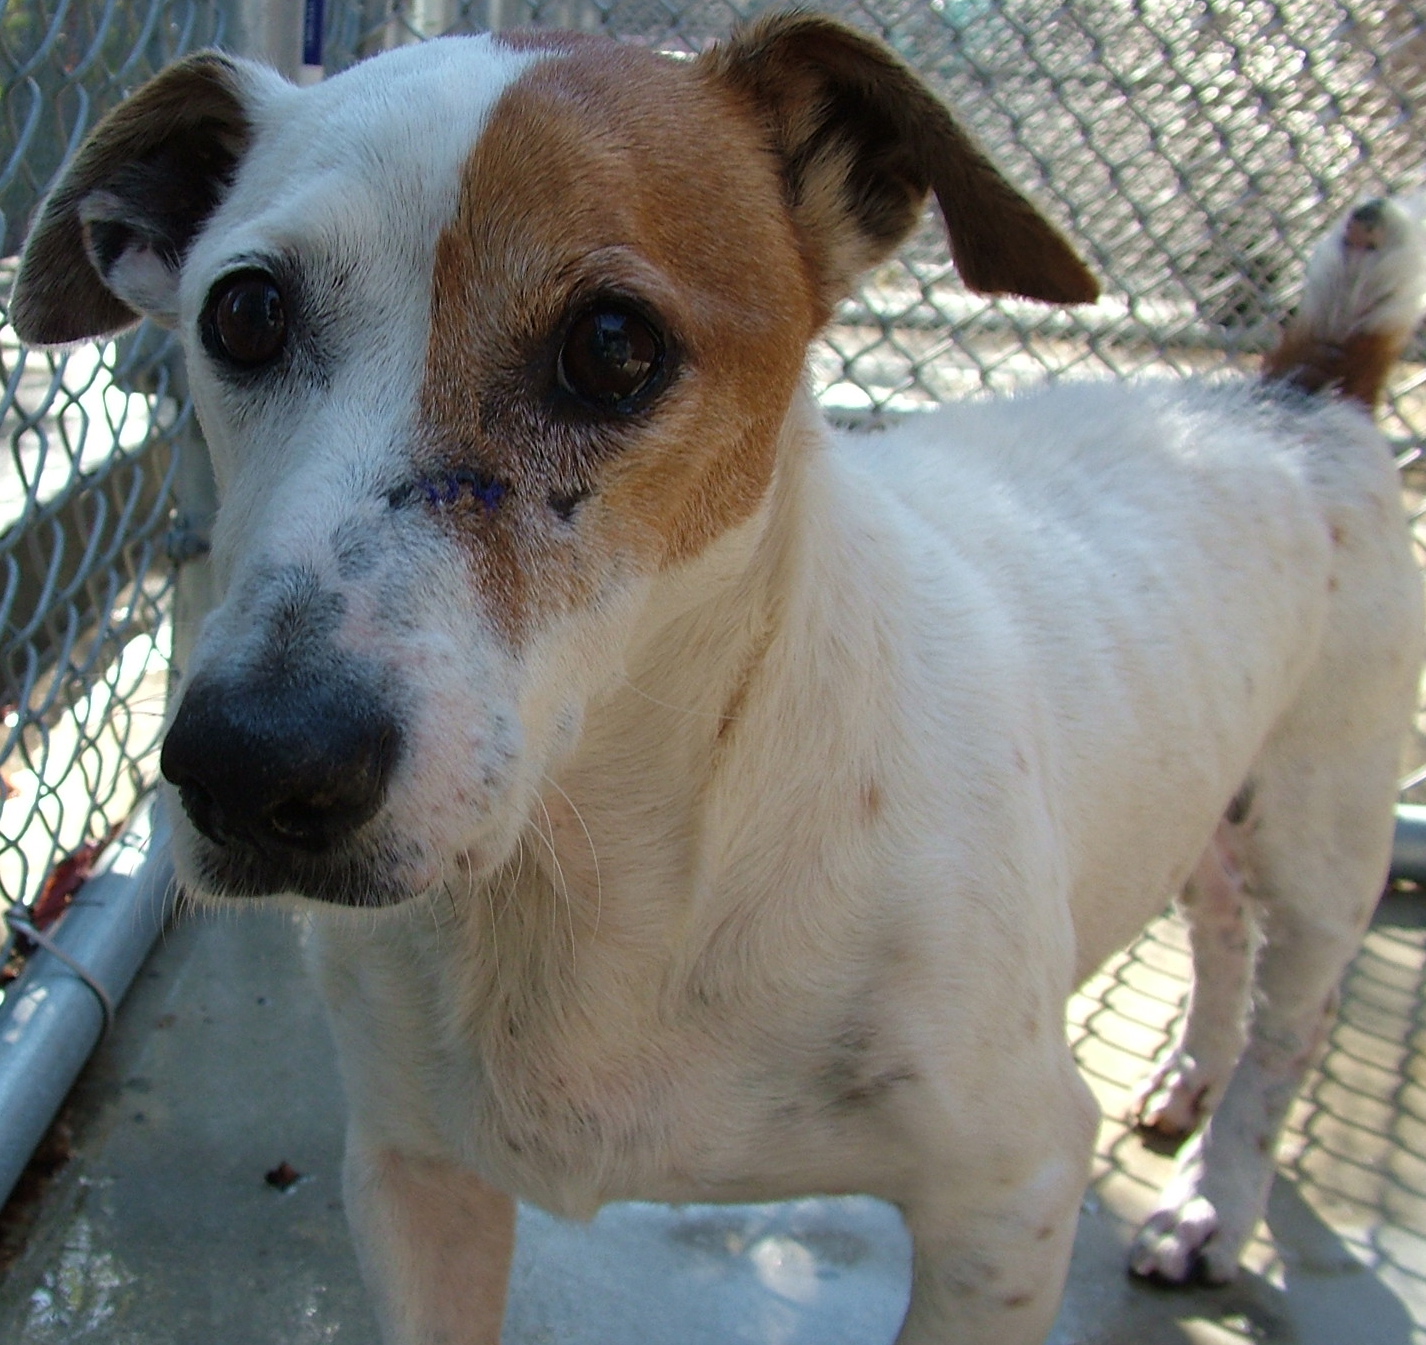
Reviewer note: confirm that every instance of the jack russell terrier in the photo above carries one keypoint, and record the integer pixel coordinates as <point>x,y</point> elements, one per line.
<point>695,805</point>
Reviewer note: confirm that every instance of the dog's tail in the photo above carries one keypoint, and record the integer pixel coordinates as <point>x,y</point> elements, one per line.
<point>1365,290</point>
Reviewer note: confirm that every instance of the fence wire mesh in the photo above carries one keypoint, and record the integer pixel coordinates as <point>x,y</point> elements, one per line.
<point>1194,151</point>
<point>90,451</point>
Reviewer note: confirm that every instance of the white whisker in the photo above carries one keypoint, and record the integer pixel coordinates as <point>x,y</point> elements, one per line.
<point>678,709</point>
<point>593,853</point>
<point>561,883</point>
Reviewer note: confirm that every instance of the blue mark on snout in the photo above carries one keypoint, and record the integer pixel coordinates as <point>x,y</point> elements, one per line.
<point>444,490</point>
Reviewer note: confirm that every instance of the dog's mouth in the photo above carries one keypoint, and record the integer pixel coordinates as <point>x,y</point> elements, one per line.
<point>371,874</point>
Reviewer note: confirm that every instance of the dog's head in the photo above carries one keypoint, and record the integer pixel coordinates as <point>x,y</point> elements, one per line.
<point>486,335</point>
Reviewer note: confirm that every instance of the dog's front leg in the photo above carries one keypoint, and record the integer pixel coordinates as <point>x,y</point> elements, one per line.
<point>992,1241</point>
<point>434,1242</point>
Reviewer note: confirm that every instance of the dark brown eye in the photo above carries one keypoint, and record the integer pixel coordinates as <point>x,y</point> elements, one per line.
<point>244,323</point>
<point>611,358</point>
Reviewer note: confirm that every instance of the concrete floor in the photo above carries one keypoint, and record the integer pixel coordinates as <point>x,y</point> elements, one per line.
<point>162,1230</point>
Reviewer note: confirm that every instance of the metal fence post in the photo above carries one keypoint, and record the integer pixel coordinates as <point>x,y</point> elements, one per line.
<point>271,31</point>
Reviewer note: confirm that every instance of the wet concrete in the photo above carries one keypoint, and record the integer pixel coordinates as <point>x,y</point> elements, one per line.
<point>164,1231</point>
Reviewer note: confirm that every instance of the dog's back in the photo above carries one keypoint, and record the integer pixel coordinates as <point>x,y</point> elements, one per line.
<point>1217,559</point>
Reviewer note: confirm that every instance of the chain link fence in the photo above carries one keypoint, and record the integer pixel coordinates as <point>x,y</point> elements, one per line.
<point>1194,150</point>
<point>92,445</point>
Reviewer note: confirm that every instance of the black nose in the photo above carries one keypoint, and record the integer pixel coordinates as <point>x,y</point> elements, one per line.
<point>281,764</point>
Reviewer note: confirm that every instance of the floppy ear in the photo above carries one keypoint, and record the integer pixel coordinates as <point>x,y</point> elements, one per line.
<point>107,246</point>
<point>862,141</point>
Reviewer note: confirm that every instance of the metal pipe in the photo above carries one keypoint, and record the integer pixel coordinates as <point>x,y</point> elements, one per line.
<point>1408,851</point>
<point>51,1018</point>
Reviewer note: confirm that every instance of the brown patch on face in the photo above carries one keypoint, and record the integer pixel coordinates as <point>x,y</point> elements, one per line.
<point>1357,368</point>
<point>609,173</point>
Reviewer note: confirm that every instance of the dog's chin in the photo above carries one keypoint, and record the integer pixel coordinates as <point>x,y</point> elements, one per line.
<point>357,878</point>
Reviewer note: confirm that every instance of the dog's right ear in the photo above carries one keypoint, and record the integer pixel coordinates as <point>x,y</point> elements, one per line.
<point>107,246</point>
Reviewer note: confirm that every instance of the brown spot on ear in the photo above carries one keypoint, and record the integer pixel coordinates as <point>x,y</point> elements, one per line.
<point>1017,1300</point>
<point>862,141</point>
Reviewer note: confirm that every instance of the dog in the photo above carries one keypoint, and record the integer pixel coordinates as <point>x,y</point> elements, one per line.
<point>694,805</point>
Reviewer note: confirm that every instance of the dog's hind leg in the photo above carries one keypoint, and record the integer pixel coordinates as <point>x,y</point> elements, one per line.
<point>1315,865</point>
<point>1176,1098</point>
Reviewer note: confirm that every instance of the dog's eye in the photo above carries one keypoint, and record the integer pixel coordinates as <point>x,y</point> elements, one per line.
<point>611,358</point>
<point>244,322</point>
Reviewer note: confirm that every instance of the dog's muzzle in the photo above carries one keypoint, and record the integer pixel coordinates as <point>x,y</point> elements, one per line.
<point>281,771</point>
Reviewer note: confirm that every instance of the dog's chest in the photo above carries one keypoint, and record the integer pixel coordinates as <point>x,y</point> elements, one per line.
<point>572,1102</point>
<point>573,1116</point>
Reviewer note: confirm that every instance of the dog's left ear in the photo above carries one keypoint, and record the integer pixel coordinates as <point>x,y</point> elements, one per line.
<point>862,141</point>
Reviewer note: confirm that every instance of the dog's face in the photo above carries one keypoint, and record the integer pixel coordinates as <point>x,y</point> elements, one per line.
<point>486,337</point>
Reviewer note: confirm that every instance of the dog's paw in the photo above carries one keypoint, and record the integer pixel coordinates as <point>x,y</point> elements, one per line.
<point>1181,1245</point>
<point>1174,1100</point>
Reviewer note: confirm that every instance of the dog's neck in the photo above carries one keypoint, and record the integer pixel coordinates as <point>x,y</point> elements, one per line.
<point>645,820</point>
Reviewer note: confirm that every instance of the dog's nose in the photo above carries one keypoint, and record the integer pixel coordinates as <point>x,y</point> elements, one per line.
<point>280,765</point>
